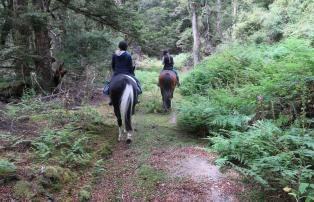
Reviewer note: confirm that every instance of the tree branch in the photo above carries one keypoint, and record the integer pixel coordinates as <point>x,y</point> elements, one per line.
<point>94,16</point>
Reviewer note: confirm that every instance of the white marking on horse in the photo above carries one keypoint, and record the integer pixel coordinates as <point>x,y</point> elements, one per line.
<point>120,134</point>
<point>129,137</point>
<point>130,77</point>
<point>127,93</point>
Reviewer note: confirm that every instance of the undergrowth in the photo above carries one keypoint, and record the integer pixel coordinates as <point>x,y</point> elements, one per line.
<point>66,144</point>
<point>255,104</point>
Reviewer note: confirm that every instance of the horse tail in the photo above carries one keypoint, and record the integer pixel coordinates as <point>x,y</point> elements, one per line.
<point>126,106</point>
<point>167,84</point>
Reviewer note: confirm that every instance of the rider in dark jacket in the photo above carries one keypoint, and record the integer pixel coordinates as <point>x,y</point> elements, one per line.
<point>122,64</point>
<point>168,63</point>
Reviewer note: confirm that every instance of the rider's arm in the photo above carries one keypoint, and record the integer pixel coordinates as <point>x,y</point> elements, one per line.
<point>130,64</point>
<point>171,61</point>
<point>113,63</point>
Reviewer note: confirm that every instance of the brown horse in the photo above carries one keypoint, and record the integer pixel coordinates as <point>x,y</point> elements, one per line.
<point>167,84</point>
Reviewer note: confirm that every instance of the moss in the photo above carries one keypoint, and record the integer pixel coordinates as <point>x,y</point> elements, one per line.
<point>148,178</point>
<point>85,194</point>
<point>105,150</point>
<point>55,177</point>
<point>23,190</point>
<point>38,117</point>
<point>7,169</point>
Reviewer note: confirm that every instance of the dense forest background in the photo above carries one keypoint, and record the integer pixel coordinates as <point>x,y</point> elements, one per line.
<point>248,65</point>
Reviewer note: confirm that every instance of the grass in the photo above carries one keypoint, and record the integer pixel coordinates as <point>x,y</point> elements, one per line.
<point>157,132</point>
<point>147,179</point>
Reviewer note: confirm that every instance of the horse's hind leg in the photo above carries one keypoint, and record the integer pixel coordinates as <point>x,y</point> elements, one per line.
<point>118,115</point>
<point>128,126</point>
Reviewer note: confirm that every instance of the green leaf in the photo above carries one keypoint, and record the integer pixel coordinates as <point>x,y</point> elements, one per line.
<point>303,187</point>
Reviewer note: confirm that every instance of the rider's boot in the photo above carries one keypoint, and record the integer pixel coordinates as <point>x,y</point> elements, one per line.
<point>178,82</point>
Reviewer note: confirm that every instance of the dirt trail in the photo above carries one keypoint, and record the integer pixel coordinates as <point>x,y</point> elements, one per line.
<point>165,164</point>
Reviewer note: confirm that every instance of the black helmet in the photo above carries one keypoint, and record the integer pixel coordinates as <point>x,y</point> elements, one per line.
<point>123,45</point>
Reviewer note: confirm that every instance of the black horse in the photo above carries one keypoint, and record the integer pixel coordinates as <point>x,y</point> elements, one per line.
<point>123,94</point>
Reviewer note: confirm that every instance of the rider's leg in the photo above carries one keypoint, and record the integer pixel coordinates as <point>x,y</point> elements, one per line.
<point>106,90</point>
<point>139,89</point>
<point>175,71</point>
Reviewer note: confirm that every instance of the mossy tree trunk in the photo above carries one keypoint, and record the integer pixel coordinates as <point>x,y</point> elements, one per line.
<point>196,34</point>
<point>43,60</point>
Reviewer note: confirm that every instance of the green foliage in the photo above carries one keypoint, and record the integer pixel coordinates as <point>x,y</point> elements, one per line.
<point>105,150</point>
<point>71,145</point>
<point>30,104</point>
<point>148,79</point>
<point>186,40</point>
<point>181,60</point>
<point>84,195</point>
<point>241,84</point>
<point>65,145</point>
<point>7,169</point>
<point>148,178</point>
<point>275,21</point>
<point>55,177</point>
<point>161,25</point>
<point>273,157</point>
<point>23,190</point>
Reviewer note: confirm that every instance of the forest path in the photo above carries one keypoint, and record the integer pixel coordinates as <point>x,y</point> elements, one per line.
<point>164,163</point>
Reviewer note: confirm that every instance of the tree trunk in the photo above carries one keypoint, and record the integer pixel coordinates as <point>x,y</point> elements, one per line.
<point>208,36</point>
<point>234,16</point>
<point>196,35</point>
<point>43,60</point>
<point>7,26</point>
<point>219,19</point>
<point>21,34</point>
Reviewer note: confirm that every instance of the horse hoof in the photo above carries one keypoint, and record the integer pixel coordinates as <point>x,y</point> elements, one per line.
<point>128,141</point>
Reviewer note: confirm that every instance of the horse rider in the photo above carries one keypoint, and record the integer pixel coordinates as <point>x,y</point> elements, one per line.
<point>167,61</point>
<point>122,64</point>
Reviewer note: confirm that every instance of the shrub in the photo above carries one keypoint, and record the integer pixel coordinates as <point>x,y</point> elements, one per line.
<point>181,60</point>
<point>243,84</point>
<point>273,157</point>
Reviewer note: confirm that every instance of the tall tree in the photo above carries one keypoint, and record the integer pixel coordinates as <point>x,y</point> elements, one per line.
<point>218,19</point>
<point>43,60</point>
<point>208,30</point>
<point>196,35</point>
<point>234,15</point>
<point>29,24</point>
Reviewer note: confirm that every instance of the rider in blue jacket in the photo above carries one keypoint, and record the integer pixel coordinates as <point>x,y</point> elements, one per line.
<point>122,64</point>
